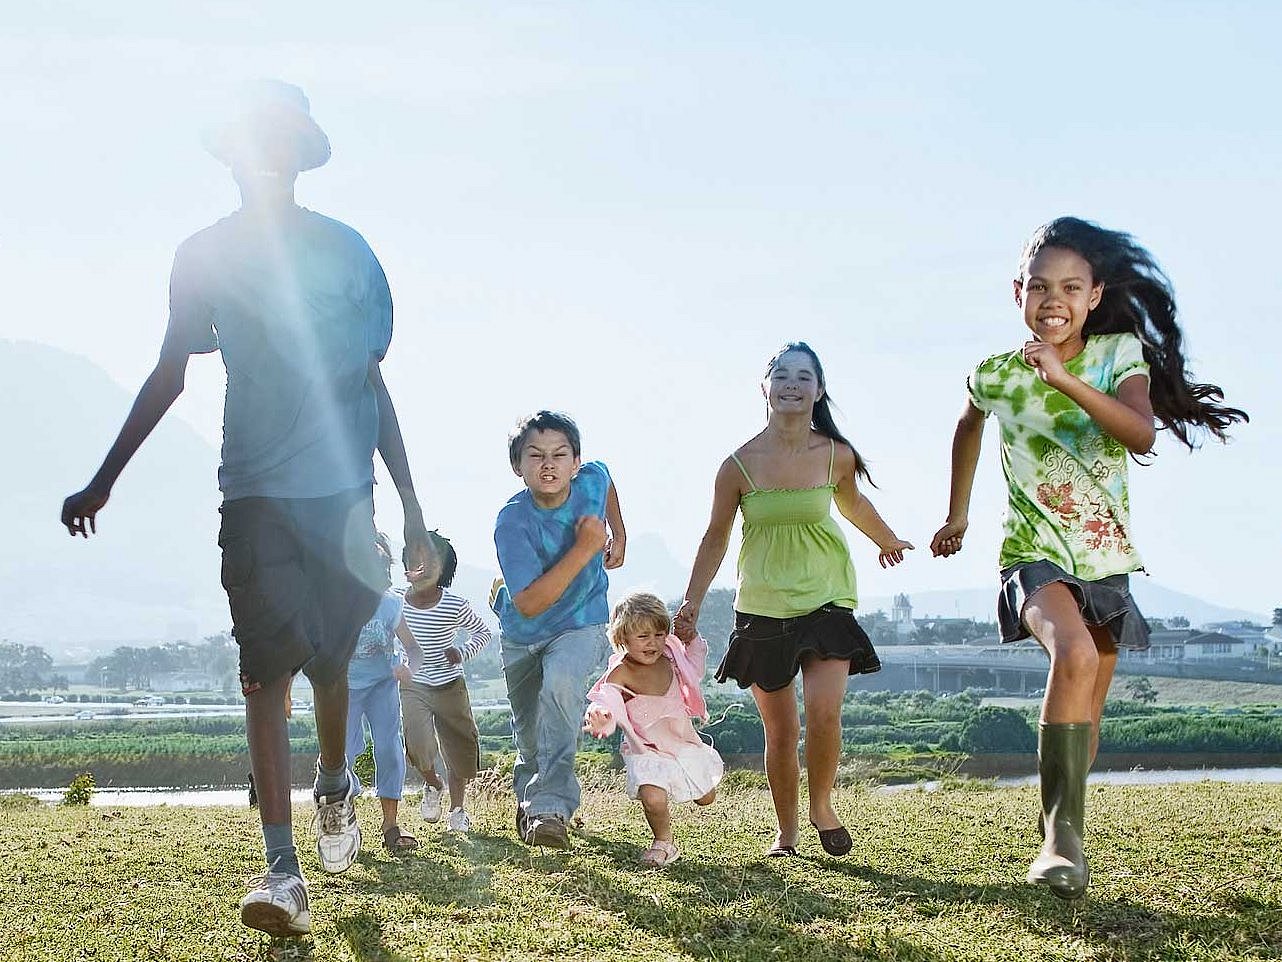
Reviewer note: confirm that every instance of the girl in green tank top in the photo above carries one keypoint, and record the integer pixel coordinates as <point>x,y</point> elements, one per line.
<point>794,606</point>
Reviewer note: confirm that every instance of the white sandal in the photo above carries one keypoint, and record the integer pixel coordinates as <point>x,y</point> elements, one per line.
<point>660,854</point>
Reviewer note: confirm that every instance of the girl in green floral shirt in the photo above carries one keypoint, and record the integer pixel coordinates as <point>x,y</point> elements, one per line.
<point>1073,403</point>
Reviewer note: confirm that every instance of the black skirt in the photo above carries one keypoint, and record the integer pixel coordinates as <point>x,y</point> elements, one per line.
<point>767,652</point>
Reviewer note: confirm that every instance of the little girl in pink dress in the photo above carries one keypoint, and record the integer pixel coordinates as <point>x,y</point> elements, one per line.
<point>651,689</point>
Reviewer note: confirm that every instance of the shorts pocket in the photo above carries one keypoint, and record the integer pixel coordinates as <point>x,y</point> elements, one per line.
<point>238,564</point>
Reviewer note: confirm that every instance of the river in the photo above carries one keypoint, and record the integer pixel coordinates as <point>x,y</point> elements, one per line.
<point>239,798</point>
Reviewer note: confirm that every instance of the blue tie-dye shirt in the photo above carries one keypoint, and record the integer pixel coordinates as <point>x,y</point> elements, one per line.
<point>530,540</point>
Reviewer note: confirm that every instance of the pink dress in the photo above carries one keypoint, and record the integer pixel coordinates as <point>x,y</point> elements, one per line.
<point>660,746</point>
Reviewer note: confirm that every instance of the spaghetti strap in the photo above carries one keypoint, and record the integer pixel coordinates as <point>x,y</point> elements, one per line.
<point>747,477</point>
<point>832,457</point>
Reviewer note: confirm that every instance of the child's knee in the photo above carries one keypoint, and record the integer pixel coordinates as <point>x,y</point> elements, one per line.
<point>707,799</point>
<point>653,798</point>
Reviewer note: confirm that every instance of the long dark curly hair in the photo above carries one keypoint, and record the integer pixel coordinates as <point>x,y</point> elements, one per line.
<point>1138,300</point>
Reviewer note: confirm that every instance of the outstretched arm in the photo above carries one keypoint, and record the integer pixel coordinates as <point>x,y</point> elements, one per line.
<point>726,492</point>
<point>966,444</point>
<point>155,397</point>
<point>419,555</point>
<point>860,512</point>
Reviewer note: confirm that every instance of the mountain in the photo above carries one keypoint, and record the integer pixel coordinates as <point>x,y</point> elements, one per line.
<point>980,603</point>
<point>151,572</point>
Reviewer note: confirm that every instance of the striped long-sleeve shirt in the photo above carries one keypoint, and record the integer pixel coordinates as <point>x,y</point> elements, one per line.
<point>435,629</point>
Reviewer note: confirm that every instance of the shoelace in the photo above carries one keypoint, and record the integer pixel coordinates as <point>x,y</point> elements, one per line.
<point>331,816</point>
<point>295,887</point>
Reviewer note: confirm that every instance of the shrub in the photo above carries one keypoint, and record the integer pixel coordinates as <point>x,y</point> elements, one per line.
<point>80,790</point>
<point>993,729</point>
<point>363,764</point>
<point>18,800</point>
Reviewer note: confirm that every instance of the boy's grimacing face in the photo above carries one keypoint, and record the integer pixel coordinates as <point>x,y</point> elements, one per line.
<point>548,464</point>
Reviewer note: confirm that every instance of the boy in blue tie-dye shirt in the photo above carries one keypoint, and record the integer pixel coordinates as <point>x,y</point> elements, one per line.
<point>555,541</point>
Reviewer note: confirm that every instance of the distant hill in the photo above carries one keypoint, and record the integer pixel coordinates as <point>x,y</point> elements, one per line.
<point>151,574</point>
<point>980,603</point>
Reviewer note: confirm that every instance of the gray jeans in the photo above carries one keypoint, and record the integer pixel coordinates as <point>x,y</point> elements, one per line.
<point>547,686</point>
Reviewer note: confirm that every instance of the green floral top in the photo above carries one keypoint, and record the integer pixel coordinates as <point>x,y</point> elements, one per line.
<point>1066,477</point>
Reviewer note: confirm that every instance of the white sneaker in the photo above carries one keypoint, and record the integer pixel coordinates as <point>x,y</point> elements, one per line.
<point>459,821</point>
<point>338,837</point>
<point>430,807</point>
<point>277,904</point>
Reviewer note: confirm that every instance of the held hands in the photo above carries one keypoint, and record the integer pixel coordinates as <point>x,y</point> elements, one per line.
<point>615,547</point>
<point>402,672</point>
<point>589,534</point>
<point>948,539</point>
<point>453,655</point>
<point>81,509</point>
<point>893,553</point>
<point>1045,360</point>
<point>685,624</point>
<point>422,561</point>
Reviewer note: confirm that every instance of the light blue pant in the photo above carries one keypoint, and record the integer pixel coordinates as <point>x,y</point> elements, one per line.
<point>547,686</point>
<point>380,705</point>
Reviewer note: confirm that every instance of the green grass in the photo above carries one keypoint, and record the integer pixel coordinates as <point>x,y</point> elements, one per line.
<point>1180,872</point>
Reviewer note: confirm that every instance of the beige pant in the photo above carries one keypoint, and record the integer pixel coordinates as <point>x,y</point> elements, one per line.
<point>440,714</point>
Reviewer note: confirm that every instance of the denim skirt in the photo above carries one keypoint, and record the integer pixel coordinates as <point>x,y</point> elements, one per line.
<point>1104,603</point>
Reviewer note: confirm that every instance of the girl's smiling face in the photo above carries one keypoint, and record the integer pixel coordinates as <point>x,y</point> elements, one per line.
<point>792,386</point>
<point>1056,293</point>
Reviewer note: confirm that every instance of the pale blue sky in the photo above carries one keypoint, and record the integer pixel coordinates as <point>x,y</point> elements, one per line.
<point>621,209</point>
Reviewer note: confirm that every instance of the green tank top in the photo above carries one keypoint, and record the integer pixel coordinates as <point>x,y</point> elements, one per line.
<point>794,557</point>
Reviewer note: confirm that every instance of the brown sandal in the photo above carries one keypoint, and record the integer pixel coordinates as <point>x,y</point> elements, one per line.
<point>395,841</point>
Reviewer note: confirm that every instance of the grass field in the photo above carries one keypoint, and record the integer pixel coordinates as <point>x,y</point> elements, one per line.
<point>1180,872</point>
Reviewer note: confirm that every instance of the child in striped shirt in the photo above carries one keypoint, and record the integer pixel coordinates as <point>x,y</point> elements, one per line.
<point>434,702</point>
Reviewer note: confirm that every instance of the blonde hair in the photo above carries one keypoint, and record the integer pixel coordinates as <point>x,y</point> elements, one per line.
<point>638,610</point>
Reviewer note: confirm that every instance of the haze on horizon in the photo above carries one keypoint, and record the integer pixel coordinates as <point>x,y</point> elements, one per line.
<point>622,210</point>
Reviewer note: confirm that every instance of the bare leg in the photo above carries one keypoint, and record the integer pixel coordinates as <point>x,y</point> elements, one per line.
<point>707,799</point>
<point>458,790</point>
<point>267,732</point>
<point>1103,679</point>
<point>654,801</point>
<point>824,688</point>
<point>389,807</point>
<point>1065,736</point>
<point>331,722</point>
<point>778,710</point>
<point>1056,622</point>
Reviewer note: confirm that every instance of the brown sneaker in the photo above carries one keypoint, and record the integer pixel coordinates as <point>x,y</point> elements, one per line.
<point>548,830</point>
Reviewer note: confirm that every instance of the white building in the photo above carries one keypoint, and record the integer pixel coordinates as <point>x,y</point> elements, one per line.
<point>1188,644</point>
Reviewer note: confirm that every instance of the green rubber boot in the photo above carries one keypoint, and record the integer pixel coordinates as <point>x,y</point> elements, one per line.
<point>1063,759</point>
